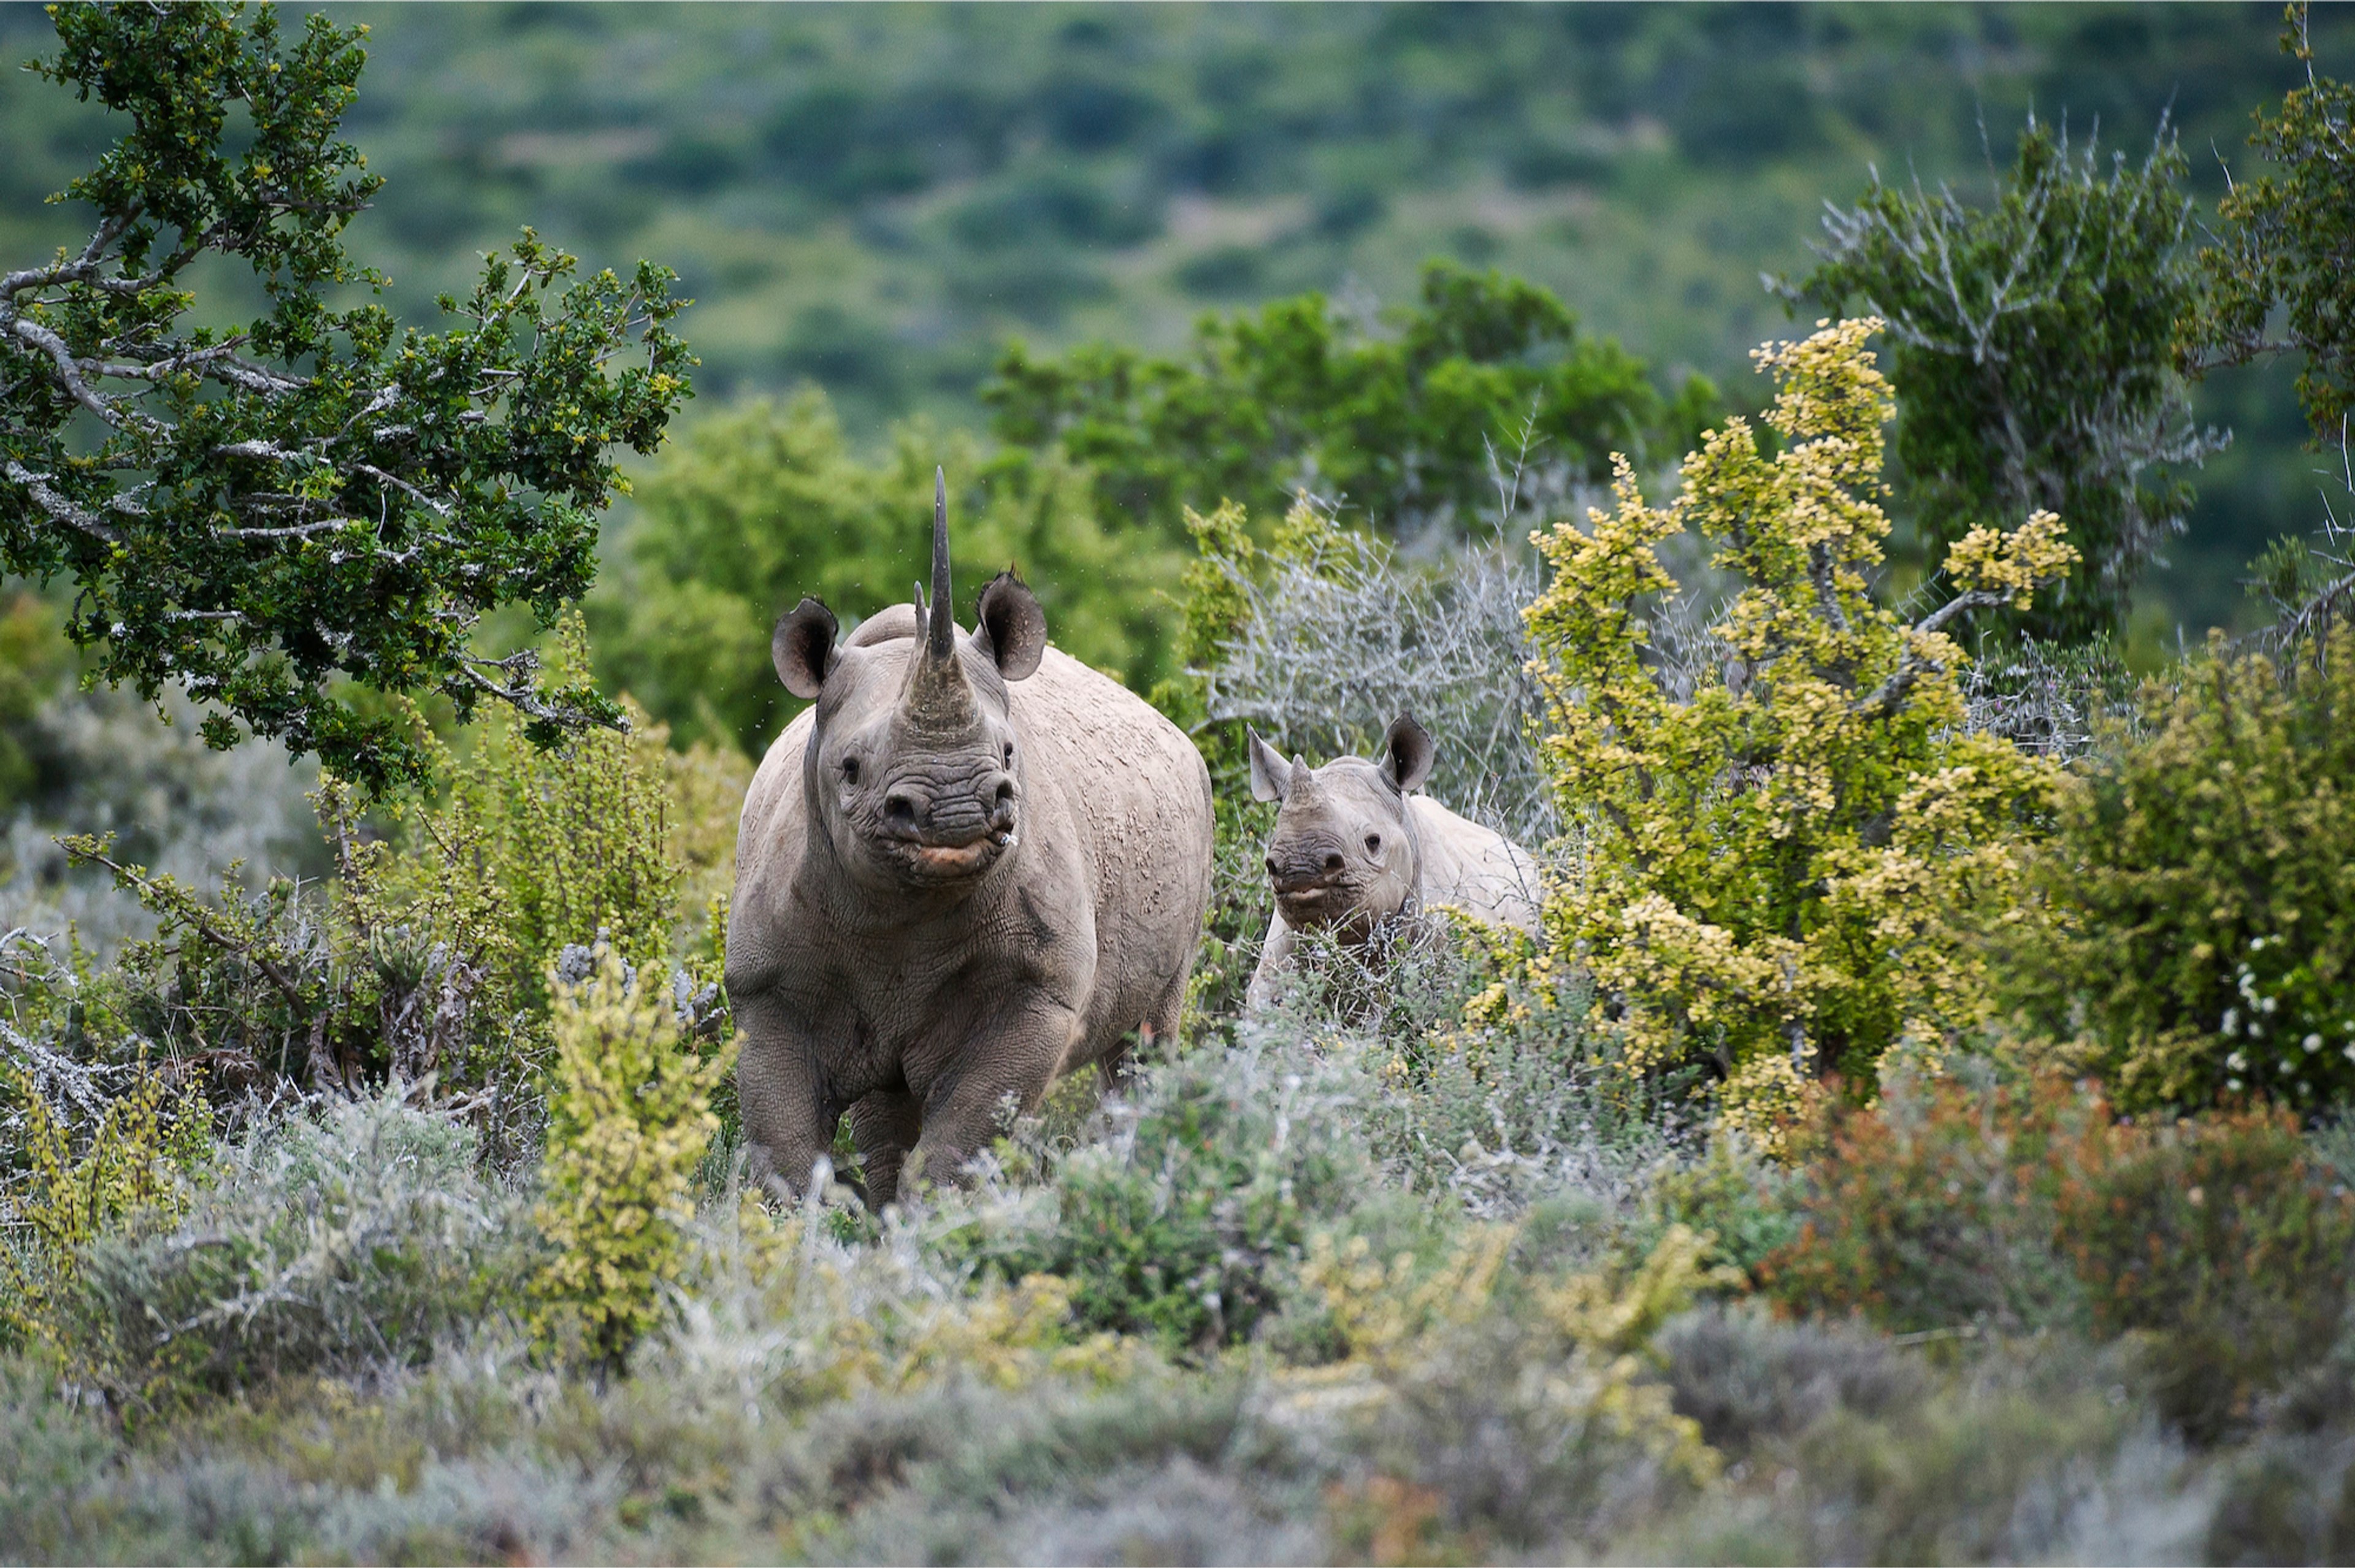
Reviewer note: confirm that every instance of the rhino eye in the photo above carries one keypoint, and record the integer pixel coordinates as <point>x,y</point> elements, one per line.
<point>1009,753</point>
<point>1373,843</point>
<point>850,770</point>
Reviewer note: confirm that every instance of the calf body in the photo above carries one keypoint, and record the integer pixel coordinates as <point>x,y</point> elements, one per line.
<point>975,865</point>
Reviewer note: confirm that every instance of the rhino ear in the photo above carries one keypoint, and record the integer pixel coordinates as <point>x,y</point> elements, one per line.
<point>1407,753</point>
<point>802,647</point>
<point>1009,617</point>
<point>1271,774</point>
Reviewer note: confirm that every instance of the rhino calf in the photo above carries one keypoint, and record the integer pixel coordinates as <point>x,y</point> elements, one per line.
<point>1354,849</point>
<point>974,865</point>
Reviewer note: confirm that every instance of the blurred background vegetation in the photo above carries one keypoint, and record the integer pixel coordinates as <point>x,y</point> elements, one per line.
<point>962,234</point>
<point>876,200</point>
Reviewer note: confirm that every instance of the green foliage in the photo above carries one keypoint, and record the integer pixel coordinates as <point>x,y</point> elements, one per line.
<point>352,1238</point>
<point>2034,343</point>
<point>1417,431</point>
<point>136,1159</point>
<point>629,1116</point>
<point>319,496</point>
<point>764,504</point>
<point>33,663</point>
<point>2192,933</point>
<point>2285,243</point>
<point>551,848</point>
<point>429,956</point>
<point>1776,866</point>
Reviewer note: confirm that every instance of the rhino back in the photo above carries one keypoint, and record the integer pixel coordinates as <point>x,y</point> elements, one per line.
<point>1134,796</point>
<point>1475,868</point>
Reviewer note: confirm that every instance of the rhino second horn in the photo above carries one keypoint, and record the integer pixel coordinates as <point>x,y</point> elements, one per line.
<point>939,628</point>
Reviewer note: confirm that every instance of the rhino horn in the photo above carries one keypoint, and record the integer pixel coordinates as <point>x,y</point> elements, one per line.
<point>938,695</point>
<point>940,626</point>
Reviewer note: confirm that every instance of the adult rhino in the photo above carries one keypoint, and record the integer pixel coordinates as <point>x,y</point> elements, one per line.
<point>975,865</point>
<point>1354,851</point>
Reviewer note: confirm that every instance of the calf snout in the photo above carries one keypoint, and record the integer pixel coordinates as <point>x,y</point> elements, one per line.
<point>1302,865</point>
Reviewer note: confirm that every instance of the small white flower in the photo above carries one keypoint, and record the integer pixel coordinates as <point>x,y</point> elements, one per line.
<point>2312,1043</point>
<point>2231,1025</point>
<point>2257,945</point>
<point>2233,1084</point>
<point>2268,1004</point>
<point>2237,1062</point>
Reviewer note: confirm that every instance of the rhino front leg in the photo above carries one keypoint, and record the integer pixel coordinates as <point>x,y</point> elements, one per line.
<point>1268,980</point>
<point>790,1112</point>
<point>1008,1063</point>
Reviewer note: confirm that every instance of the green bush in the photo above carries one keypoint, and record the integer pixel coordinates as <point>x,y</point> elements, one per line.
<point>629,1118</point>
<point>1484,375</point>
<point>1183,1222</point>
<point>2034,357</point>
<point>2191,936</point>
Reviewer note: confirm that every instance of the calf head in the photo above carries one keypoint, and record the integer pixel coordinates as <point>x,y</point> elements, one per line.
<point>914,772</point>
<point>1344,854</point>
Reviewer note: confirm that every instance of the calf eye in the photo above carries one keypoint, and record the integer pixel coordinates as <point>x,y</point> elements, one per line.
<point>1373,843</point>
<point>1009,753</point>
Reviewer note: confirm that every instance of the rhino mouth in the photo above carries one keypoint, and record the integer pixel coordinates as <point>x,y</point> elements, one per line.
<point>1319,904</point>
<point>945,858</point>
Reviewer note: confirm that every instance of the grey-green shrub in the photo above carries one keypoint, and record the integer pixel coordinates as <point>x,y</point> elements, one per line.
<point>1181,1219</point>
<point>338,1240</point>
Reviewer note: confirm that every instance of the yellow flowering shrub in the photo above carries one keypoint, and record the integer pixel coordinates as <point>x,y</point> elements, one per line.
<point>629,1116</point>
<point>1782,845</point>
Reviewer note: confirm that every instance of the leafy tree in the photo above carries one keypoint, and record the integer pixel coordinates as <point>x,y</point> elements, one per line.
<point>318,495</point>
<point>766,503</point>
<point>2034,359</point>
<point>1786,823</point>
<point>2286,241</point>
<point>1485,382</point>
<point>2284,260</point>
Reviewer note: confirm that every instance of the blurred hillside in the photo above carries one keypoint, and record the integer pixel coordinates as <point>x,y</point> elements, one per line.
<point>875,198</point>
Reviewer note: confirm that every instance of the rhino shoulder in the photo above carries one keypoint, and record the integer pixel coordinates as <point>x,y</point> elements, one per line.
<point>1474,869</point>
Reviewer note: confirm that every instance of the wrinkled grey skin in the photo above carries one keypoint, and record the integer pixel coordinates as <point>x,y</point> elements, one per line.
<point>1356,851</point>
<point>975,865</point>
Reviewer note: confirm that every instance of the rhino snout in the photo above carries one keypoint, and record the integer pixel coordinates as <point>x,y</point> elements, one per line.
<point>1302,868</point>
<point>953,815</point>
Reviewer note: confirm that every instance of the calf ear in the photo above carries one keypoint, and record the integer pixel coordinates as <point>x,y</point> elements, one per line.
<point>1271,774</point>
<point>1009,617</point>
<point>1406,754</point>
<point>802,647</point>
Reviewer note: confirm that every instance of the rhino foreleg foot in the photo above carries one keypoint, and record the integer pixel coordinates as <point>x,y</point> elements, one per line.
<point>790,1115</point>
<point>1006,1074</point>
<point>886,1125</point>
